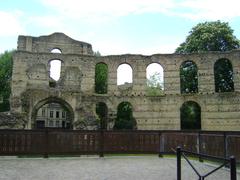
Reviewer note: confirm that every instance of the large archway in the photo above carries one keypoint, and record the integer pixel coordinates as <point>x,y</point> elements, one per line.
<point>52,112</point>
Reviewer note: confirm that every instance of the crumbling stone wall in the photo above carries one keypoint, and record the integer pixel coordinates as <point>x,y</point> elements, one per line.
<point>75,89</point>
<point>60,41</point>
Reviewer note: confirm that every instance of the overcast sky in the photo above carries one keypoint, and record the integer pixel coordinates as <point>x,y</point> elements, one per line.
<point>114,27</point>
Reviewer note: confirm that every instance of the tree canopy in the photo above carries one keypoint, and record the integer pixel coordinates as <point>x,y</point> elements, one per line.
<point>5,78</point>
<point>190,115</point>
<point>154,85</point>
<point>209,36</point>
<point>101,78</point>
<point>204,37</point>
<point>223,76</point>
<point>102,112</point>
<point>188,77</point>
<point>125,119</point>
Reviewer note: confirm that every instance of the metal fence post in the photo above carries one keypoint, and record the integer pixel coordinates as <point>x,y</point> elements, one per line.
<point>101,153</point>
<point>225,144</point>
<point>199,147</point>
<point>178,163</point>
<point>46,144</point>
<point>233,168</point>
<point>159,136</point>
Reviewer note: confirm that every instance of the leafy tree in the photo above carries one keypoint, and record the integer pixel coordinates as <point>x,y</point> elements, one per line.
<point>223,75</point>
<point>190,115</point>
<point>5,77</point>
<point>209,36</point>
<point>97,53</point>
<point>154,85</point>
<point>188,77</point>
<point>101,78</point>
<point>125,119</point>
<point>212,36</point>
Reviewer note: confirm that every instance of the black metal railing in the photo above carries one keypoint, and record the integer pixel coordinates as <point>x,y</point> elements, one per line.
<point>225,162</point>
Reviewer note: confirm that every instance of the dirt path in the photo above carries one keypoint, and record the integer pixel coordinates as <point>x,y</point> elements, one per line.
<point>95,168</point>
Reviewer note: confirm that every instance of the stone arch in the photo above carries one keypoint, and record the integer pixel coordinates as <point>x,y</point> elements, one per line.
<point>223,75</point>
<point>125,119</point>
<point>188,77</point>
<point>101,79</point>
<point>102,112</point>
<point>48,100</point>
<point>124,70</point>
<point>56,50</point>
<point>190,115</point>
<point>57,58</point>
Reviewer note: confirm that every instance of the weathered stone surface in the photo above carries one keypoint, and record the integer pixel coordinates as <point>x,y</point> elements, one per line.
<point>12,121</point>
<point>75,88</point>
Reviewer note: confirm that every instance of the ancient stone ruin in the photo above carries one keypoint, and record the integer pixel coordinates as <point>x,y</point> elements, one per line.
<point>33,87</point>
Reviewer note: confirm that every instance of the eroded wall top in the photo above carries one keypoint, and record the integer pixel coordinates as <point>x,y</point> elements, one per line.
<point>60,41</point>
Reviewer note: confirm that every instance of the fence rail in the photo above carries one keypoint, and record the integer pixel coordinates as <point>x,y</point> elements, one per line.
<point>57,141</point>
<point>225,161</point>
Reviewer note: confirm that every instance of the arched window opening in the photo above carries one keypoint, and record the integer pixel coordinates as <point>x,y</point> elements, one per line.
<point>125,119</point>
<point>56,50</point>
<point>101,78</point>
<point>102,112</point>
<point>55,69</point>
<point>190,115</point>
<point>188,77</point>
<point>223,76</point>
<point>53,115</point>
<point>124,74</point>
<point>155,84</point>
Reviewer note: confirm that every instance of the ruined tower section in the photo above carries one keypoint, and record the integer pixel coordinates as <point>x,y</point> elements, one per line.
<point>45,44</point>
<point>217,105</point>
<point>32,84</point>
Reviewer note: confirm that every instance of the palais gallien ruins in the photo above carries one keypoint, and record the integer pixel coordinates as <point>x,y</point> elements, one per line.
<point>71,101</point>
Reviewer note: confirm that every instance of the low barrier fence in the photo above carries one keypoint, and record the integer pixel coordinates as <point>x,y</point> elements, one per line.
<point>231,162</point>
<point>57,141</point>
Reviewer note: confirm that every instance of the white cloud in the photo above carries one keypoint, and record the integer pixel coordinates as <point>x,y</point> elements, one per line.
<point>110,47</point>
<point>70,16</point>
<point>101,11</point>
<point>48,21</point>
<point>78,12</point>
<point>210,10</point>
<point>160,48</point>
<point>10,23</point>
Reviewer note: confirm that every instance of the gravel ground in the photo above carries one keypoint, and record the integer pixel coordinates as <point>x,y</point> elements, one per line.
<point>107,168</point>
